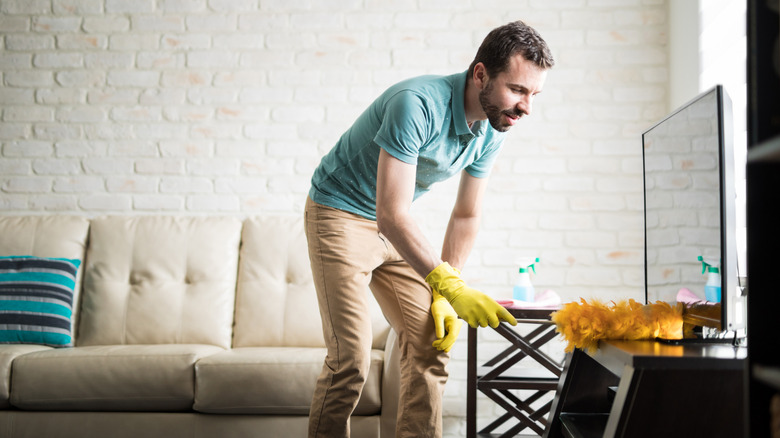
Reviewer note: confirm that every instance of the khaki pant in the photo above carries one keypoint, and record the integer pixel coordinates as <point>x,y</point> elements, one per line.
<point>348,256</point>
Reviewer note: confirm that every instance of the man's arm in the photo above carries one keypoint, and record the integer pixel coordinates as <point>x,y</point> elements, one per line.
<point>464,221</point>
<point>394,195</point>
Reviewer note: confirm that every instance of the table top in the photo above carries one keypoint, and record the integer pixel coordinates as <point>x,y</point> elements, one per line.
<point>615,354</point>
<point>534,313</point>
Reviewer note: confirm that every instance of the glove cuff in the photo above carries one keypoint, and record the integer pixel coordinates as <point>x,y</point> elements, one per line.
<point>443,279</point>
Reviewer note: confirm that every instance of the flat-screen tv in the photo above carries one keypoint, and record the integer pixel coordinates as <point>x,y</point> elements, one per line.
<point>690,211</point>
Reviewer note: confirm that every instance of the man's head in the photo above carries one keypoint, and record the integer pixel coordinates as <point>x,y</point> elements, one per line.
<point>508,71</point>
<point>504,42</point>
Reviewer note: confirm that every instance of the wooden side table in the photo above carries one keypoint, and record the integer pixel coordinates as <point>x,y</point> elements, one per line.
<point>497,377</point>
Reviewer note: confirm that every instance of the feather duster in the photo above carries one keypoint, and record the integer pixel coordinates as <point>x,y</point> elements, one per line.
<point>583,324</point>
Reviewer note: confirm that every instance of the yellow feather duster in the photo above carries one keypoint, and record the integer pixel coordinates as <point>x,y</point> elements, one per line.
<point>583,324</point>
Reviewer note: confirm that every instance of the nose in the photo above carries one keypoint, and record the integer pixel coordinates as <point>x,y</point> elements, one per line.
<point>525,104</point>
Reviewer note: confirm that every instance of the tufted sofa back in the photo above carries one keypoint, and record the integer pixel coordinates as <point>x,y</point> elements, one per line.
<point>160,280</point>
<point>276,304</point>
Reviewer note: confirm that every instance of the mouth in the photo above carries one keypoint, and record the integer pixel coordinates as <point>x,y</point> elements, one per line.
<point>512,118</point>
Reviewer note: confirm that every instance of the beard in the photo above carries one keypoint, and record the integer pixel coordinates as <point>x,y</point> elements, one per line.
<point>495,115</point>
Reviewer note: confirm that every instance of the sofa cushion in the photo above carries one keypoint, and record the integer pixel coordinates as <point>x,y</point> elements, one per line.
<point>36,300</point>
<point>108,378</point>
<point>47,236</point>
<point>276,304</point>
<point>272,380</point>
<point>160,280</point>
<point>7,355</point>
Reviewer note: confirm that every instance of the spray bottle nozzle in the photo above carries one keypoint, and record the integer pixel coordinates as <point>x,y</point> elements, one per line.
<point>525,265</point>
<point>708,265</point>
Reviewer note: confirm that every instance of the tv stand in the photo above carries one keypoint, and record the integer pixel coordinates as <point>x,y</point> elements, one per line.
<point>649,389</point>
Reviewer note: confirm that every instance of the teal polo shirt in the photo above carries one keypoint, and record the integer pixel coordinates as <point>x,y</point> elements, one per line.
<point>420,121</point>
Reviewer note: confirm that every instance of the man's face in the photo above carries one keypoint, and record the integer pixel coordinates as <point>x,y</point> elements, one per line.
<point>510,94</point>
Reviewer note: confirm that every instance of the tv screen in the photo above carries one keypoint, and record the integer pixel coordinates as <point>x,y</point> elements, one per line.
<point>690,219</point>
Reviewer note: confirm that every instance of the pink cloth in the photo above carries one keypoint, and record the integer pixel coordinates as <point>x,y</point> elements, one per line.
<point>548,298</point>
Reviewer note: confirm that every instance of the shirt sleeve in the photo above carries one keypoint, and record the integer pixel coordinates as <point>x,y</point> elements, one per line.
<point>481,167</point>
<point>405,126</point>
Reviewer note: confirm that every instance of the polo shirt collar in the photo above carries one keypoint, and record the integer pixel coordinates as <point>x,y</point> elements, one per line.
<point>459,109</point>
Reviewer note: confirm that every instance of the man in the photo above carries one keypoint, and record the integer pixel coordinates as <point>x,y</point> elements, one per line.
<point>361,234</point>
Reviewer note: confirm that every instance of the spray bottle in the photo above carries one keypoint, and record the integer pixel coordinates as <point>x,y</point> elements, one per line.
<point>524,290</point>
<point>712,287</point>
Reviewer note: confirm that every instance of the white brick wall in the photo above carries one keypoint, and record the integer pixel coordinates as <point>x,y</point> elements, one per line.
<point>226,106</point>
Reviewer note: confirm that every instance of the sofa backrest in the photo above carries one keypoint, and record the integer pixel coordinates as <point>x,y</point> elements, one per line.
<point>160,280</point>
<point>47,236</point>
<point>276,304</point>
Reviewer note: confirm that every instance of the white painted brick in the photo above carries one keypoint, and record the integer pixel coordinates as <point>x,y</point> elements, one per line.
<point>133,42</point>
<point>272,59</point>
<point>247,78</point>
<point>185,78</point>
<point>31,78</point>
<point>186,185</point>
<point>107,166</point>
<point>179,6</point>
<point>186,41</point>
<point>25,184</point>
<point>12,166</point>
<point>322,20</point>
<point>82,113</point>
<point>133,148</point>
<point>133,184</point>
<point>209,96</point>
<point>74,148</point>
<point>78,7</point>
<point>422,20</point>
<point>242,113</point>
<point>213,167</point>
<point>273,131</point>
<point>232,5</point>
<point>105,202</point>
<point>30,7</point>
<point>11,24</point>
<point>129,6</point>
<point>154,23</point>
<point>188,113</point>
<point>62,203</point>
<point>136,114</point>
<point>133,78</point>
<point>106,24</point>
<point>222,130</point>
<point>212,23</point>
<point>81,79</point>
<point>15,61</point>
<point>321,58</point>
<point>211,58</point>
<point>160,166</point>
<point>9,203</point>
<point>167,96</point>
<point>263,20</point>
<point>159,131</point>
<point>55,24</point>
<point>186,148</point>
<point>597,203</point>
<point>109,60</point>
<point>81,42</point>
<point>160,60</point>
<point>57,131</point>
<point>299,114</point>
<point>26,42</point>
<point>105,131</point>
<point>158,203</point>
<point>237,42</point>
<point>27,113</point>
<point>58,60</point>
<point>241,185</point>
<point>16,96</point>
<point>213,203</point>
<point>57,166</point>
<point>113,96</point>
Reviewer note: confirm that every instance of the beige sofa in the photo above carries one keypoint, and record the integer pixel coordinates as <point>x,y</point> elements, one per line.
<point>183,327</point>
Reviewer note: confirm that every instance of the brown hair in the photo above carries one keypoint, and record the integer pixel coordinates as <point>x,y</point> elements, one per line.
<point>503,42</point>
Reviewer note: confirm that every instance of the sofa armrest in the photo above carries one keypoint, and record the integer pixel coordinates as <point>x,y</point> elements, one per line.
<point>391,386</point>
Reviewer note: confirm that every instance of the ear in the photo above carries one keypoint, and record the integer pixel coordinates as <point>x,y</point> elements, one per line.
<point>479,76</point>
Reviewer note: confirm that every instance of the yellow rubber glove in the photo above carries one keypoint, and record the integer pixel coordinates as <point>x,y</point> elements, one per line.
<point>446,321</point>
<point>478,309</point>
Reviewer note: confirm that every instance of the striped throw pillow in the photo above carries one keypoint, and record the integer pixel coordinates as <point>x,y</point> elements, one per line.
<point>36,300</point>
